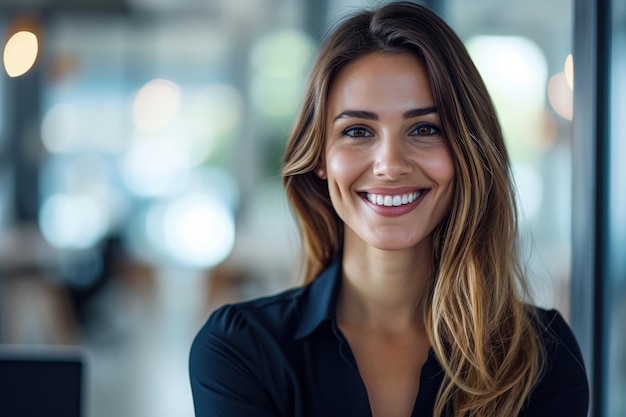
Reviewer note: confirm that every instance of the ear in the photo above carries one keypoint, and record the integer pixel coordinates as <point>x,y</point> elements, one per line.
<point>320,170</point>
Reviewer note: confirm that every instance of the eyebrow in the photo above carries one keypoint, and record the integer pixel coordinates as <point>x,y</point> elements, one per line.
<point>362,114</point>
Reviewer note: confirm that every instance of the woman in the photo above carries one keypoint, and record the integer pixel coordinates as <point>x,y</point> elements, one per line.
<point>414,303</point>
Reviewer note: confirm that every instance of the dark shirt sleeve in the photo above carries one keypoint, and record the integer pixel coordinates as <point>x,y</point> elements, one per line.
<point>563,390</point>
<point>226,377</point>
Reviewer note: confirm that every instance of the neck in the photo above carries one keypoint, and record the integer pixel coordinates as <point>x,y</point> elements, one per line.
<point>384,290</point>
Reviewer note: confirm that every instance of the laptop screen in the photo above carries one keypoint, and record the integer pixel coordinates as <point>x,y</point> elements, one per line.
<point>41,383</point>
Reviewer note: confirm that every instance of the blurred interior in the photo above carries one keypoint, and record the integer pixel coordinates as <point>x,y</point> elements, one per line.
<point>141,143</point>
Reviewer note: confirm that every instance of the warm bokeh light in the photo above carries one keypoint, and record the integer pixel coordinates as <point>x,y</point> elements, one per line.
<point>20,53</point>
<point>569,71</point>
<point>156,105</point>
<point>561,96</point>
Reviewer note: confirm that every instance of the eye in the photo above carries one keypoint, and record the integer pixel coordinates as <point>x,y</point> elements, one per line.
<point>425,129</point>
<point>357,132</point>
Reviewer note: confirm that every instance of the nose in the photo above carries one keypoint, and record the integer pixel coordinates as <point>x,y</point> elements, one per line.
<point>392,159</point>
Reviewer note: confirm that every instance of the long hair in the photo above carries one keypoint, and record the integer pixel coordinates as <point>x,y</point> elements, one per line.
<point>478,325</point>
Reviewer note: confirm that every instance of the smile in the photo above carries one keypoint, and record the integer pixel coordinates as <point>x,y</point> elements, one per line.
<point>392,200</point>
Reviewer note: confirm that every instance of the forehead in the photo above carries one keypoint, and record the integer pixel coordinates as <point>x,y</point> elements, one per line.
<point>381,81</point>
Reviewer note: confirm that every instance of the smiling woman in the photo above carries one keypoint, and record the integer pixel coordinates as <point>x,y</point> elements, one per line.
<point>414,303</point>
<point>384,144</point>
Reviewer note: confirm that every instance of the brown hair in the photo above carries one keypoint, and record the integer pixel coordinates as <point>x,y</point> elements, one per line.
<point>478,325</point>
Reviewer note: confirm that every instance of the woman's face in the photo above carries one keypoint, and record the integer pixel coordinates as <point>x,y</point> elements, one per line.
<point>390,174</point>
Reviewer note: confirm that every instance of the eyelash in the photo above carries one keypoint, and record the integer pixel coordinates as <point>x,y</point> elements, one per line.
<point>434,130</point>
<point>346,132</point>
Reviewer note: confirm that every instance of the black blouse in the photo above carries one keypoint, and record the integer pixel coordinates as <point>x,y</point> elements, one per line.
<point>284,356</point>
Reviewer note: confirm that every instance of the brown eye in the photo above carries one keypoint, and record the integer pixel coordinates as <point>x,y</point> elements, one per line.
<point>426,130</point>
<point>357,132</point>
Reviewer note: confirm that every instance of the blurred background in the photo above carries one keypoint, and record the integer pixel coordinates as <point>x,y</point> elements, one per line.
<point>140,149</point>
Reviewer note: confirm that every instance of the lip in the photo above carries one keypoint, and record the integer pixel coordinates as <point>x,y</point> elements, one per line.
<point>390,191</point>
<point>393,211</point>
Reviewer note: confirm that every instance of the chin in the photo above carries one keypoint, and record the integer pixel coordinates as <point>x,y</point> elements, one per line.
<point>387,239</point>
<point>387,244</point>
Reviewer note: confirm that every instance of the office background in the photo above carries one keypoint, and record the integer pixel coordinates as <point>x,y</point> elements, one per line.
<point>140,151</point>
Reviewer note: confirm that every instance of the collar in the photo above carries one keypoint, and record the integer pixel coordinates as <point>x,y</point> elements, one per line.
<point>319,299</point>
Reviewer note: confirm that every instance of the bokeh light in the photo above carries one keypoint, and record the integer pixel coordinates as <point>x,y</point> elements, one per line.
<point>72,221</point>
<point>279,64</point>
<point>199,230</point>
<point>569,71</point>
<point>193,228</point>
<point>156,165</point>
<point>561,96</point>
<point>82,206</point>
<point>20,53</point>
<point>59,129</point>
<point>515,71</point>
<point>282,54</point>
<point>212,116</point>
<point>156,105</point>
<point>511,66</point>
<point>90,123</point>
<point>216,109</point>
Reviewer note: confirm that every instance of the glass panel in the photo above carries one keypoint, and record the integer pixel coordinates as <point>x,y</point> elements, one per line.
<point>615,287</point>
<point>6,191</point>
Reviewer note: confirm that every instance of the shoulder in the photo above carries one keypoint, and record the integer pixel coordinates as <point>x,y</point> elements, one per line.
<point>557,337</point>
<point>245,335</point>
<point>275,316</point>
<point>553,328</point>
<point>563,387</point>
<point>237,352</point>
<point>282,317</point>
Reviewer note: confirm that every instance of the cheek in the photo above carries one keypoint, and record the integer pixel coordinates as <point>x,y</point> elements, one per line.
<point>440,167</point>
<point>444,167</point>
<point>343,167</point>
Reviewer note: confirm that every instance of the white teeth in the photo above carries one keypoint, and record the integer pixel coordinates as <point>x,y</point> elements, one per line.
<point>395,201</point>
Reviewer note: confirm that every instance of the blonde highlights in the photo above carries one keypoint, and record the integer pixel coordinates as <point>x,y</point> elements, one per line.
<point>479,327</point>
